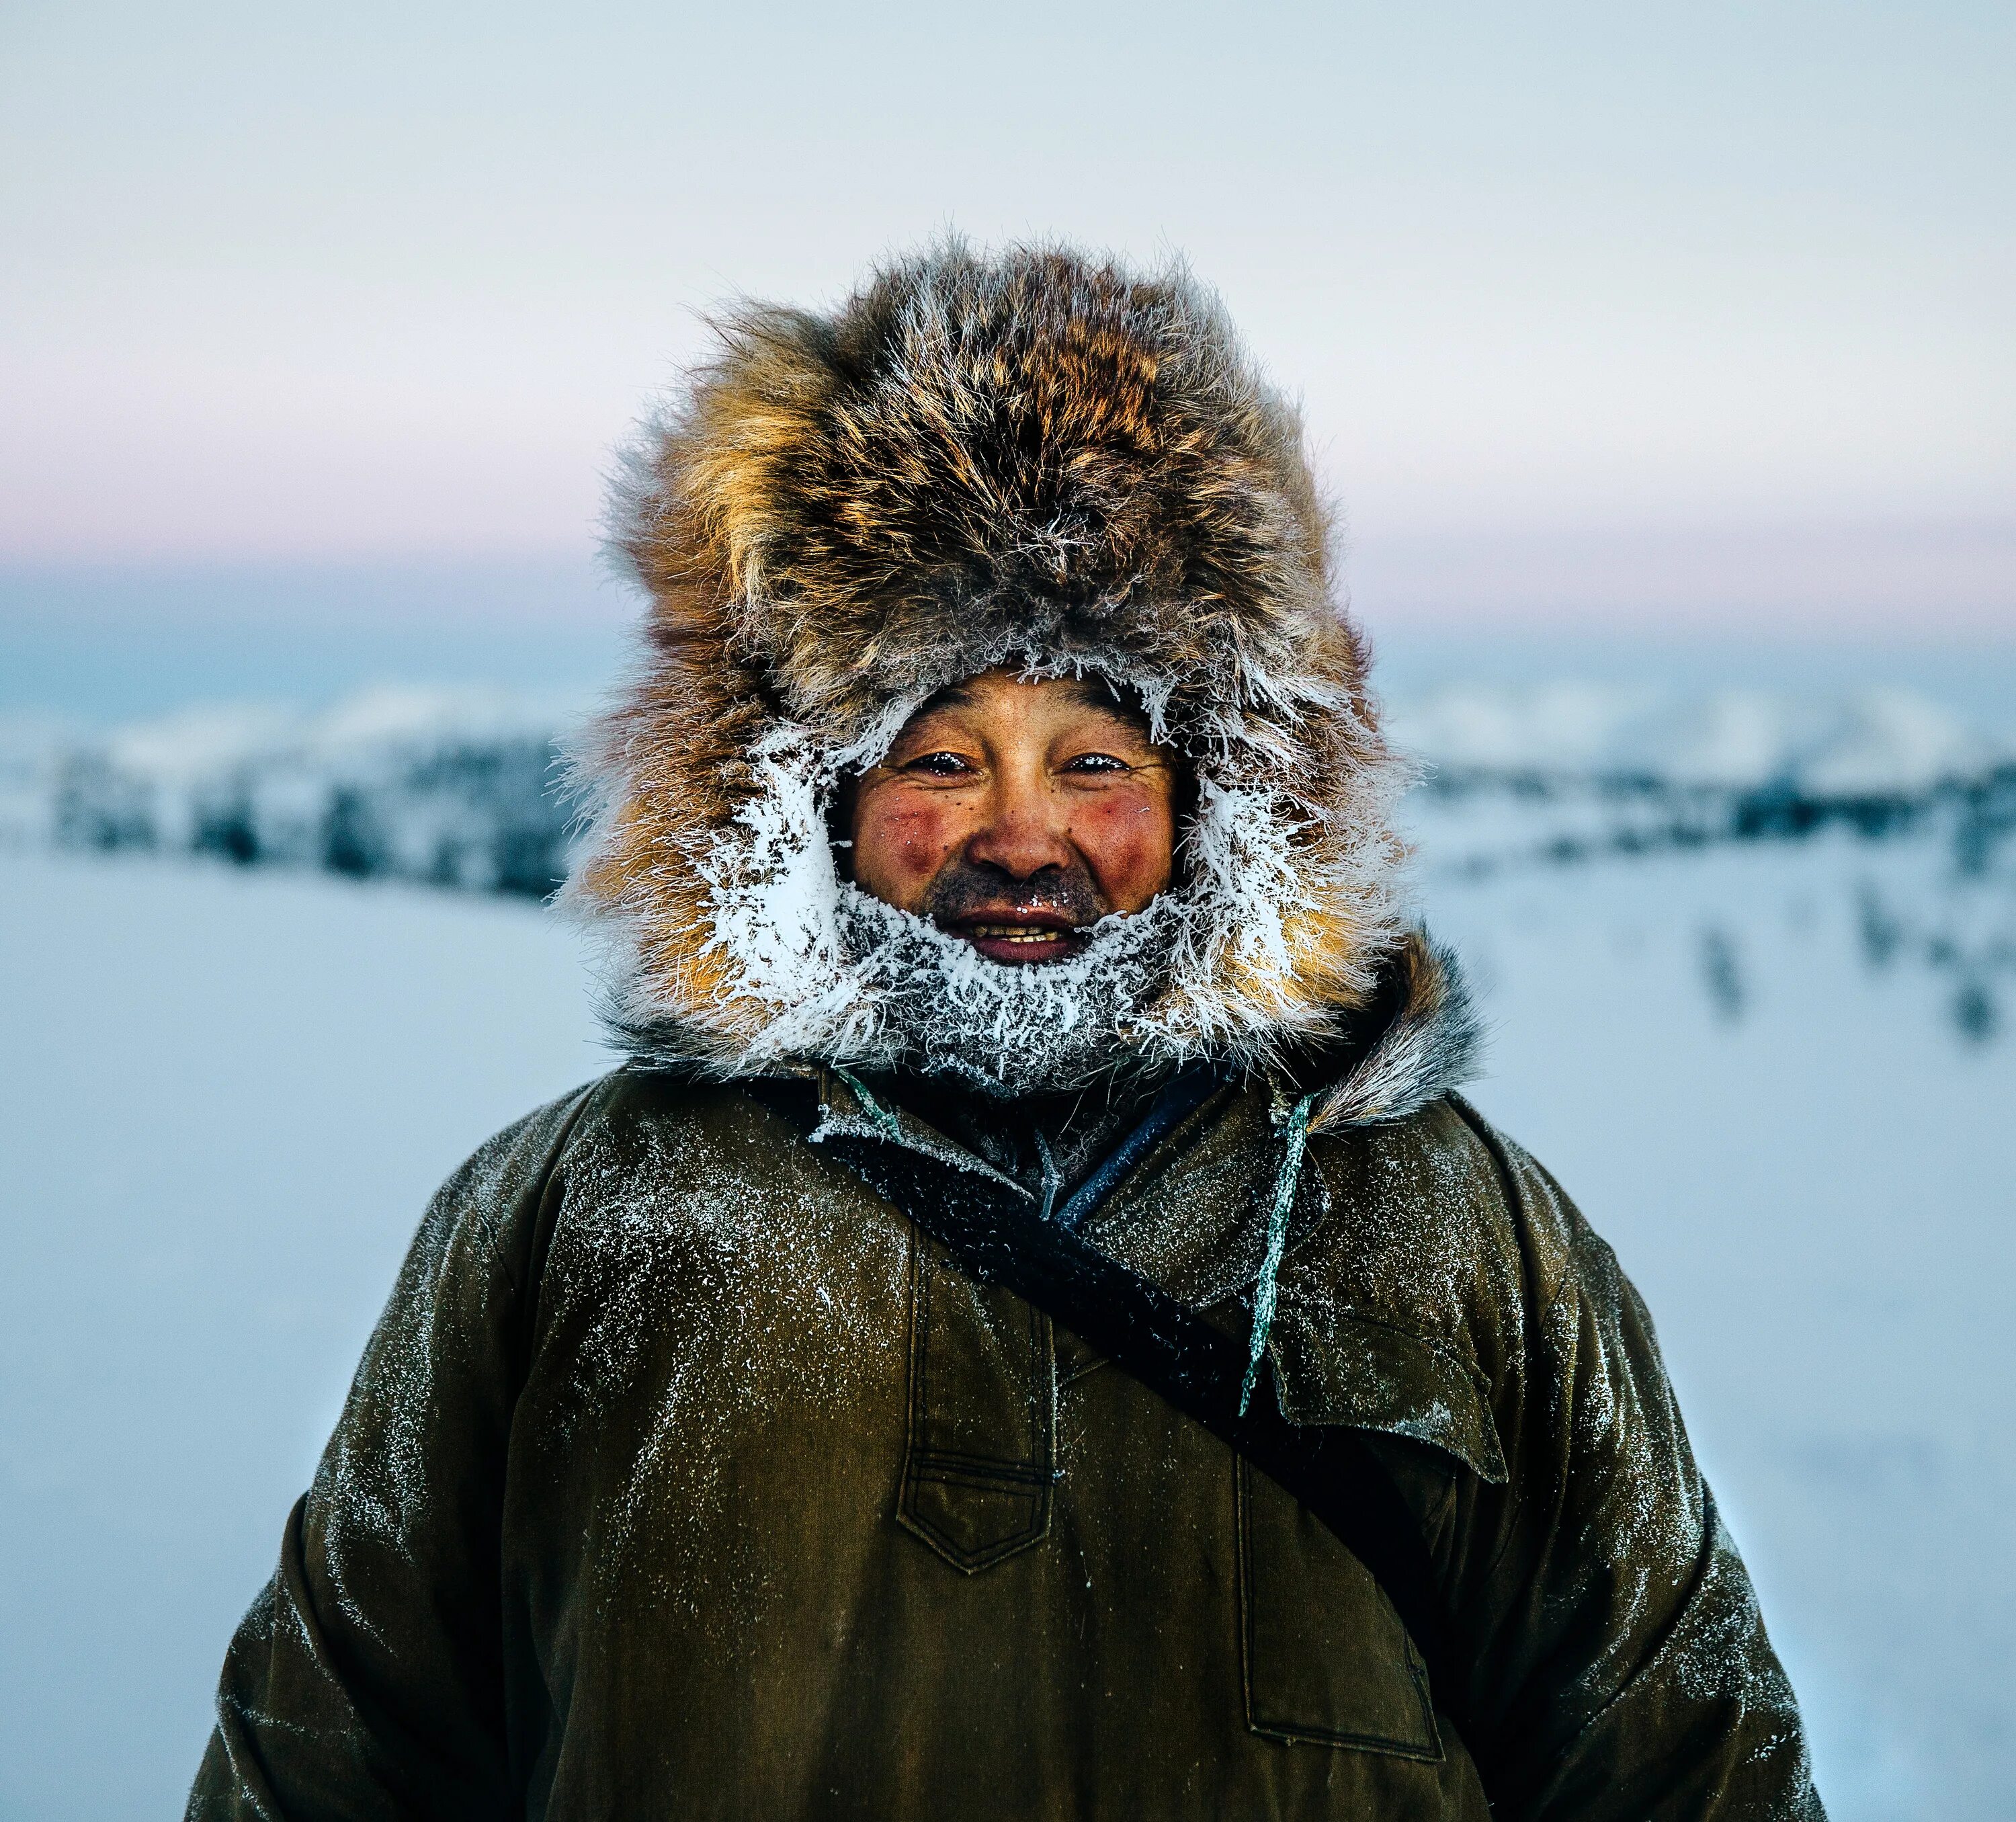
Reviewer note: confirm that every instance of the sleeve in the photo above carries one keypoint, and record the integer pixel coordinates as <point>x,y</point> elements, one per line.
<point>1621,1669</point>
<point>367,1680</point>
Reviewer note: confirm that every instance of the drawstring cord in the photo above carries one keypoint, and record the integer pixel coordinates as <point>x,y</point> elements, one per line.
<point>1297,1135</point>
<point>879,1113</point>
<point>1052,1178</point>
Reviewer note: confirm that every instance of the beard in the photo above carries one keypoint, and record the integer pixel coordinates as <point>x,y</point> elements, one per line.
<point>1009,1029</point>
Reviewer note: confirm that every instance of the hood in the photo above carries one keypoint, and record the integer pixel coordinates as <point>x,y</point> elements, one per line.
<point>1032,459</point>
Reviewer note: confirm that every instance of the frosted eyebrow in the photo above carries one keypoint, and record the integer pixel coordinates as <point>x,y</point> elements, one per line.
<point>952,696</point>
<point>1117,709</point>
<point>1103,697</point>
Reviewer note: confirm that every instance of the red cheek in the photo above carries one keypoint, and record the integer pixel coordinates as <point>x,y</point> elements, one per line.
<point>1126,840</point>
<point>899,847</point>
<point>918,834</point>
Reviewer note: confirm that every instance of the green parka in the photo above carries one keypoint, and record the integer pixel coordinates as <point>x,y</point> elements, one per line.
<point>684,1477</point>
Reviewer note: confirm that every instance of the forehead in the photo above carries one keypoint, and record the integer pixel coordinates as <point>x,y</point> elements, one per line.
<point>1006,695</point>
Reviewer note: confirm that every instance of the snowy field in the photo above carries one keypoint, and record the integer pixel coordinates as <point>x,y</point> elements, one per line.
<point>226,1095</point>
<point>224,1100</point>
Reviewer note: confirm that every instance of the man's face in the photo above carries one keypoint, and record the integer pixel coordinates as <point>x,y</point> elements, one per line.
<point>1016,815</point>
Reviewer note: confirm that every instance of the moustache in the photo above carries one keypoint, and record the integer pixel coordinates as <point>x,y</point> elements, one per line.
<point>964,889</point>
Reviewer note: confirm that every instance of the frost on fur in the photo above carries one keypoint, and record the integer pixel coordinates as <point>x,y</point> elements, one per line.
<point>808,968</point>
<point>1032,459</point>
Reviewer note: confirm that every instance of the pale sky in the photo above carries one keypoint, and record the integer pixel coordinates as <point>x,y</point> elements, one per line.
<point>1597,304</point>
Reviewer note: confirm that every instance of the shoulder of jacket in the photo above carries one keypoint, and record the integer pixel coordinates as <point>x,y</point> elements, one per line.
<point>1432,1179</point>
<point>632,1105</point>
<point>1440,1226</point>
<point>491,1204</point>
<point>1554,1241</point>
<point>510,1170</point>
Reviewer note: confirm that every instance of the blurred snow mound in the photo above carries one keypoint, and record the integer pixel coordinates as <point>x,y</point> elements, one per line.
<point>453,786</point>
<point>1877,743</point>
<point>1554,730</point>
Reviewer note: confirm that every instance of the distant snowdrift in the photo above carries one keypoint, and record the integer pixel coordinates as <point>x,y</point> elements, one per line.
<point>1877,743</point>
<point>452,787</point>
<point>1520,781</point>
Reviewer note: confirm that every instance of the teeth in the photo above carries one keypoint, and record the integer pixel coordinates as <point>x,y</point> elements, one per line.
<point>1014,933</point>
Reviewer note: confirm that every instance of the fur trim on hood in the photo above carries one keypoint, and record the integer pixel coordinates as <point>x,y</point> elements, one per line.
<point>1035,459</point>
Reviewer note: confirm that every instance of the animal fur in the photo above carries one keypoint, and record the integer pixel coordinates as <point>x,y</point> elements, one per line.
<point>1035,459</point>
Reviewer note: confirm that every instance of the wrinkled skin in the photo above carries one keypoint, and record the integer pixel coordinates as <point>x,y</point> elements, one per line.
<point>1015,813</point>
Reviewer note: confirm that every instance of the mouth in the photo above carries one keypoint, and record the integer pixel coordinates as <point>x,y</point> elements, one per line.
<point>1019,936</point>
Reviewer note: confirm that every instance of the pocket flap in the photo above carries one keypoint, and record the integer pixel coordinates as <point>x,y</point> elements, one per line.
<point>980,1464</point>
<point>1334,1367</point>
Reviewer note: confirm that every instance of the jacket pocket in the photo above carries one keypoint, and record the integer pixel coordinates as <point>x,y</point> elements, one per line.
<point>979,1468</point>
<point>1325,1658</point>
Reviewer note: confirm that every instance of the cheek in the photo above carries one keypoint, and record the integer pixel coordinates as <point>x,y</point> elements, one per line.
<point>900,843</point>
<point>1127,839</point>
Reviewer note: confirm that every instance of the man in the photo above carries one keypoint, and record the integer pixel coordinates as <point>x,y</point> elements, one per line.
<point>1030,1332</point>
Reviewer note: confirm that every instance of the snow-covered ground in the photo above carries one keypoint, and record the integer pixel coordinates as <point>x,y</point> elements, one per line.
<point>224,1097</point>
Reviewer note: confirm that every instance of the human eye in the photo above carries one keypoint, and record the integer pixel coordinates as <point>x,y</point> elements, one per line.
<point>942,765</point>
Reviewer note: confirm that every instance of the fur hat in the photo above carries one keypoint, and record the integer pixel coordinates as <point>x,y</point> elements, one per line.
<point>1035,459</point>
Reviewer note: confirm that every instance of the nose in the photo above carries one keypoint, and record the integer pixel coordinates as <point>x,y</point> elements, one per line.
<point>1024,830</point>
